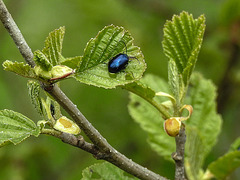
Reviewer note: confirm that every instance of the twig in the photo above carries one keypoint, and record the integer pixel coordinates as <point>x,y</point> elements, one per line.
<point>178,156</point>
<point>100,144</point>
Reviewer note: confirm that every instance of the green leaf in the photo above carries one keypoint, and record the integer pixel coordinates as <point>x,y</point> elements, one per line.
<point>182,42</point>
<point>33,92</point>
<point>15,127</point>
<point>109,42</point>
<point>149,118</point>
<point>225,165</point>
<point>104,171</point>
<point>72,62</point>
<point>19,68</point>
<point>42,61</point>
<point>53,46</point>
<point>204,126</point>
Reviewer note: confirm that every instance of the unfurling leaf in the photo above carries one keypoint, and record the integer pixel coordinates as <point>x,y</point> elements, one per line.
<point>109,42</point>
<point>33,92</point>
<point>42,61</point>
<point>53,46</point>
<point>182,42</point>
<point>15,127</point>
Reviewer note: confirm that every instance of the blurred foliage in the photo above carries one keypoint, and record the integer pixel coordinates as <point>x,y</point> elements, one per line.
<point>107,109</point>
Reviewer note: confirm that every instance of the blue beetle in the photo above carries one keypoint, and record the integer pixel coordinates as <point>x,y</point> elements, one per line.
<point>119,62</point>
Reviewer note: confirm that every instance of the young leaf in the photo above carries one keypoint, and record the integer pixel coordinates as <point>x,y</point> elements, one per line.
<point>33,92</point>
<point>15,127</point>
<point>72,62</point>
<point>104,171</point>
<point>53,46</point>
<point>19,68</point>
<point>225,165</point>
<point>109,42</point>
<point>204,126</point>
<point>42,61</point>
<point>149,118</point>
<point>182,42</point>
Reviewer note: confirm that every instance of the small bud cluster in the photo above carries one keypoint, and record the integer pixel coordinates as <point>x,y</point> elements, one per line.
<point>172,125</point>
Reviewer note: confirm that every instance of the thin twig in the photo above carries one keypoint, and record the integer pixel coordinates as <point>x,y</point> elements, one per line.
<point>178,156</point>
<point>106,150</point>
<point>74,141</point>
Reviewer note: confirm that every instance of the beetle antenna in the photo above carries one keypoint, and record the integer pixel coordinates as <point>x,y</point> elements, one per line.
<point>124,44</point>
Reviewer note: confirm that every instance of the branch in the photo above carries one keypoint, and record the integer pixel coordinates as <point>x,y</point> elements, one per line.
<point>108,153</point>
<point>100,144</point>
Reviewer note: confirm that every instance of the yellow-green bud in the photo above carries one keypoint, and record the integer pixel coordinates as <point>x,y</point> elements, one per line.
<point>42,73</point>
<point>60,72</point>
<point>172,126</point>
<point>64,124</point>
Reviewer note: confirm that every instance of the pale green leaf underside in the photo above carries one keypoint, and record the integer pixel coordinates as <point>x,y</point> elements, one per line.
<point>15,127</point>
<point>72,62</point>
<point>53,46</point>
<point>176,83</point>
<point>109,42</point>
<point>140,89</point>
<point>182,41</point>
<point>104,171</point>
<point>225,165</point>
<point>204,126</point>
<point>19,68</point>
<point>150,119</point>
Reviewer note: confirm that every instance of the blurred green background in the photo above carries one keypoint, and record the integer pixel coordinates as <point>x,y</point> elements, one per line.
<point>47,157</point>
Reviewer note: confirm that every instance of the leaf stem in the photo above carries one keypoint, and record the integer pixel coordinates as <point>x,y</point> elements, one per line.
<point>159,107</point>
<point>107,152</point>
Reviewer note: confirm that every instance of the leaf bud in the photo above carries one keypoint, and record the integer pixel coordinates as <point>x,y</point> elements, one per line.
<point>42,73</point>
<point>172,126</point>
<point>64,124</point>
